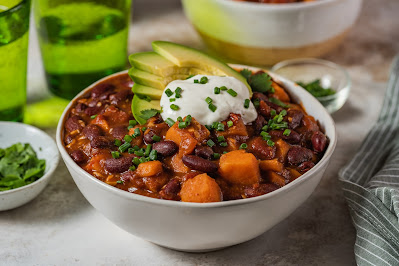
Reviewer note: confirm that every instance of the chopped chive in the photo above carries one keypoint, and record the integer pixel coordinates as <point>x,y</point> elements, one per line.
<point>208,100</point>
<point>224,152</point>
<point>172,99</point>
<point>132,168</point>
<point>265,135</point>
<point>130,127</point>
<point>143,160</point>
<point>223,88</point>
<point>223,144</point>
<point>272,112</point>
<point>216,155</point>
<point>115,154</point>
<point>136,148</point>
<point>221,138</point>
<point>143,129</point>
<point>230,123</point>
<point>210,143</point>
<point>180,119</point>
<point>118,142</point>
<point>270,143</point>
<point>170,122</point>
<point>196,81</point>
<point>188,119</point>
<point>283,112</point>
<point>204,80</point>
<point>246,103</point>
<point>148,150</point>
<point>212,107</point>
<point>182,124</point>
<point>243,146</point>
<point>264,128</point>
<point>220,127</point>
<point>256,103</point>
<point>209,127</point>
<point>153,155</point>
<point>127,138</point>
<point>124,147</point>
<point>278,102</point>
<point>168,92</point>
<point>130,150</point>
<point>174,107</point>
<point>136,132</point>
<point>156,138</point>
<point>287,132</point>
<point>178,92</point>
<point>216,90</point>
<point>215,125</point>
<point>136,161</point>
<point>232,92</point>
<point>139,153</point>
<point>280,119</point>
<point>93,116</point>
<point>119,182</point>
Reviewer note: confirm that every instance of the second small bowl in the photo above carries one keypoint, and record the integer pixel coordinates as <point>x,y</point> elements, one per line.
<point>330,75</point>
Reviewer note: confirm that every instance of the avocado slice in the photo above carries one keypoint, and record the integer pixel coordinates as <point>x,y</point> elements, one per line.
<point>184,56</point>
<point>156,64</point>
<point>139,105</point>
<point>151,92</point>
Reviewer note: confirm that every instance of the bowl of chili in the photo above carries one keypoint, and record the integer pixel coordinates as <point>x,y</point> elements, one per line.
<point>155,208</point>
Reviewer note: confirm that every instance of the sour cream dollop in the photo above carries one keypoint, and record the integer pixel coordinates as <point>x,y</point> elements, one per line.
<point>193,100</point>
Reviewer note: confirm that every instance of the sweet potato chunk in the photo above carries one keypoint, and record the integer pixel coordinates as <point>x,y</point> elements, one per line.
<point>239,167</point>
<point>282,150</point>
<point>178,165</point>
<point>276,179</point>
<point>294,174</point>
<point>279,93</point>
<point>271,165</point>
<point>201,188</point>
<point>183,138</point>
<point>151,168</point>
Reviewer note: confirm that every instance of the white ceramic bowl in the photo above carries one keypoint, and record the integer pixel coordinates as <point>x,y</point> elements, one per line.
<point>199,227</point>
<point>44,145</point>
<point>263,34</point>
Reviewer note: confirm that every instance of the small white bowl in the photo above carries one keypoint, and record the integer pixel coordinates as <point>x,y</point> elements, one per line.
<point>45,147</point>
<point>199,227</point>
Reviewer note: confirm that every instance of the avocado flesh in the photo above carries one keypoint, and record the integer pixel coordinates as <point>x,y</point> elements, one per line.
<point>188,57</point>
<point>153,93</point>
<point>156,64</point>
<point>139,105</point>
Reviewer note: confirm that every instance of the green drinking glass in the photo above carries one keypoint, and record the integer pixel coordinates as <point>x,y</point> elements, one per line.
<point>81,41</point>
<point>14,31</point>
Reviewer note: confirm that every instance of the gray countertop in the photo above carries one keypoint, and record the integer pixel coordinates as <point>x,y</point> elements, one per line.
<point>60,226</point>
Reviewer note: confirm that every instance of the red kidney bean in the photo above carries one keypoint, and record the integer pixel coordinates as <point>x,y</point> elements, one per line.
<point>78,156</point>
<point>101,90</point>
<point>92,131</point>
<point>101,142</point>
<point>93,110</point>
<point>148,137</point>
<point>264,109</point>
<point>119,97</point>
<point>74,123</point>
<point>259,189</point>
<point>165,148</point>
<point>293,137</point>
<point>319,141</point>
<point>305,166</point>
<point>118,165</point>
<point>170,190</point>
<point>294,118</point>
<point>80,107</point>
<point>119,132</point>
<point>259,123</point>
<point>261,150</point>
<point>260,96</point>
<point>204,152</point>
<point>297,155</point>
<point>199,164</point>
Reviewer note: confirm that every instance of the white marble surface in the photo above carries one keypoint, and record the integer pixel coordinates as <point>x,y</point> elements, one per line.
<point>61,228</point>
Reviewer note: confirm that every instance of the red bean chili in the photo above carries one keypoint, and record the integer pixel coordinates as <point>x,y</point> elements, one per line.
<point>225,161</point>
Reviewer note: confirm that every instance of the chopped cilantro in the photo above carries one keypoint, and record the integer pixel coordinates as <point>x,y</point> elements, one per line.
<point>246,73</point>
<point>148,113</point>
<point>261,82</point>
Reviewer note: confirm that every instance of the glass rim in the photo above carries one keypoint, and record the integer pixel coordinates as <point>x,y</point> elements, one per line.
<point>14,8</point>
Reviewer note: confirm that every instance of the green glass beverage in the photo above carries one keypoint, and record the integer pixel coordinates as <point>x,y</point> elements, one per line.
<point>81,41</point>
<point>14,29</point>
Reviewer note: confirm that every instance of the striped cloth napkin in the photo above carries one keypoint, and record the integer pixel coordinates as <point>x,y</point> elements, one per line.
<point>371,184</point>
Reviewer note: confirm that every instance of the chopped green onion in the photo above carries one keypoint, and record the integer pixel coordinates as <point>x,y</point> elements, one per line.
<point>130,127</point>
<point>93,116</point>
<point>232,92</point>
<point>280,119</point>
<point>223,88</point>
<point>256,103</point>
<point>132,168</point>
<point>212,107</point>
<point>223,144</point>
<point>143,129</point>
<point>124,147</point>
<point>118,142</point>
<point>264,128</point>
<point>143,160</point>
<point>221,138</point>
<point>127,138</point>
<point>182,124</point>
<point>216,155</point>
<point>265,135</point>
<point>180,119</point>
<point>287,132</point>
<point>220,127</point>
<point>119,182</point>
<point>204,80</point>
<point>148,150</point>
<point>208,100</point>
<point>278,102</point>
<point>210,143</point>
<point>270,143</point>
<point>115,154</point>
<point>209,127</point>
<point>230,123</point>
<point>272,112</point>
<point>225,152</point>
<point>130,150</point>
<point>215,124</point>
<point>174,107</point>
<point>170,122</point>
<point>139,153</point>
<point>136,160</point>
<point>188,119</point>
<point>178,92</point>
<point>136,132</point>
<point>172,99</point>
<point>168,92</point>
<point>153,155</point>
<point>196,81</point>
<point>243,146</point>
<point>136,148</point>
<point>156,138</point>
<point>246,103</point>
<point>216,90</point>
<point>283,112</point>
